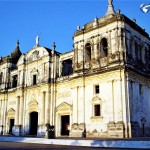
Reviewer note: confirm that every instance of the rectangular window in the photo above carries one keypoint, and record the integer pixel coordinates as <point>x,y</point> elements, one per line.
<point>97,110</point>
<point>34,79</point>
<point>96,89</point>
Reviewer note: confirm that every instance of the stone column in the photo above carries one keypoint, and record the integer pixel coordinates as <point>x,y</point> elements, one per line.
<point>51,104</point>
<point>96,47</point>
<point>76,52</point>
<point>75,104</point>
<point>60,68</point>
<point>129,130</point>
<point>17,111</point>
<point>2,117</point>
<point>47,118</point>
<point>21,111</point>
<point>110,47</point>
<point>92,48</point>
<point>81,52</point>
<point>111,104</point>
<point>2,112</point>
<point>43,109</point>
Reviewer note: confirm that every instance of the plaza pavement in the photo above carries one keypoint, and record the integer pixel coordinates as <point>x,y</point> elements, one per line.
<point>142,143</point>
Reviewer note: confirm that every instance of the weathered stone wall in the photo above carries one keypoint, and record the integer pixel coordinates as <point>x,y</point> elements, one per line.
<point>80,94</point>
<point>139,105</point>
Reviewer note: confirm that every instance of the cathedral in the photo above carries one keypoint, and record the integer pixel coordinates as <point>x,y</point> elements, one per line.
<point>99,89</point>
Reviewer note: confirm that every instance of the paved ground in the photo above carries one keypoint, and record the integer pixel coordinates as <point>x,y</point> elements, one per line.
<point>26,143</point>
<point>31,146</point>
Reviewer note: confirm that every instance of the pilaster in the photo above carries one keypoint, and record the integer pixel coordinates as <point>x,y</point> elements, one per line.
<point>21,111</point>
<point>47,120</point>
<point>43,108</point>
<point>17,111</point>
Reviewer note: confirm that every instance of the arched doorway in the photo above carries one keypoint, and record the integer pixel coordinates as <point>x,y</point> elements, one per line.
<point>11,120</point>
<point>64,121</point>
<point>33,123</point>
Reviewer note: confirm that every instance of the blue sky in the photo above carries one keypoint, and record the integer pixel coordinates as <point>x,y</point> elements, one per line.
<point>56,20</point>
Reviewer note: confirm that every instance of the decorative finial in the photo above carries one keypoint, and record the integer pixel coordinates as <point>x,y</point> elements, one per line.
<point>119,11</point>
<point>37,40</point>
<point>95,19</point>
<point>95,22</point>
<point>78,28</point>
<point>17,43</point>
<point>110,9</point>
<point>54,46</point>
<point>134,20</point>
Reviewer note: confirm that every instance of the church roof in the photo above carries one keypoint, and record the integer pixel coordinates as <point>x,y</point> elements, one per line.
<point>13,57</point>
<point>110,17</point>
<point>107,19</point>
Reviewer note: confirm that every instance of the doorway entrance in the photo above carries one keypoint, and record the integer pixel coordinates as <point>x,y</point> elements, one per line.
<point>33,123</point>
<point>65,122</point>
<point>11,124</point>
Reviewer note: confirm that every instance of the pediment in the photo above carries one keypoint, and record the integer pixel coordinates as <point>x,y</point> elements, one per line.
<point>96,100</point>
<point>11,113</point>
<point>34,71</point>
<point>33,105</point>
<point>36,53</point>
<point>64,107</point>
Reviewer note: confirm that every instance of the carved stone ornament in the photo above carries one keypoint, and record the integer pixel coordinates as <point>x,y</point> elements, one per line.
<point>96,119</point>
<point>35,55</point>
<point>113,56</point>
<point>87,65</point>
<point>78,127</point>
<point>96,100</point>
<point>78,65</point>
<point>103,62</point>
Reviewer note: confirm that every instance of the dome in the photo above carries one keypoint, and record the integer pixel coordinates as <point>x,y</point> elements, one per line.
<point>15,55</point>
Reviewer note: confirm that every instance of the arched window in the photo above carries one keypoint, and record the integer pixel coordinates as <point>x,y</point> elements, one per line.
<point>97,104</point>
<point>88,52</point>
<point>67,67</point>
<point>103,48</point>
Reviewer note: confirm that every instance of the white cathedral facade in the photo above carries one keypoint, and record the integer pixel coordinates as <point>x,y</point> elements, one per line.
<point>99,89</point>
